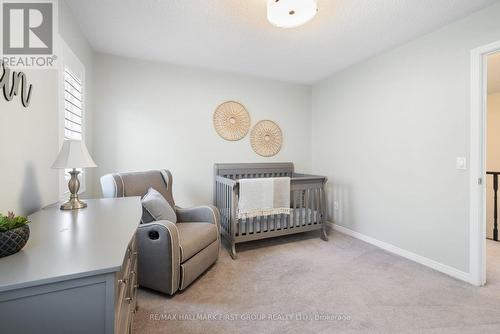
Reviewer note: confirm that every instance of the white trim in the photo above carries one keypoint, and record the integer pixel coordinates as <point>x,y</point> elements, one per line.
<point>477,220</point>
<point>454,272</point>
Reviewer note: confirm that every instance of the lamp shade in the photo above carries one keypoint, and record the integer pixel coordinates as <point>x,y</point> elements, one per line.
<point>73,154</point>
<point>290,13</point>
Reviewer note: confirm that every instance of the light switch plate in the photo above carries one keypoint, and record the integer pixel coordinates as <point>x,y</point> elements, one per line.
<point>461,163</point>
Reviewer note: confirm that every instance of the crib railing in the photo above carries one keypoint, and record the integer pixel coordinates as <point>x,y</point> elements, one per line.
<point>226,200</point>
<point>307,200</point>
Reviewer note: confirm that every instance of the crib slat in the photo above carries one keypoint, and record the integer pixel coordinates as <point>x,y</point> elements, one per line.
<point>234,216</point>
<point>227,193</point>
<point>299,204</point>
<point>301,207</point>
<point>217,195</point>
<point>307,206</point>
<point>229,209</point>
<point>316,206</point>
<point>313,203</point>
<point>223,205</point>
<point>303,211</point>
<point>254,224</point>
<point>221,189</point>
<point>220,199</point>
<point>297,215</point>
<point>311,211</point>
<point>313,206</point>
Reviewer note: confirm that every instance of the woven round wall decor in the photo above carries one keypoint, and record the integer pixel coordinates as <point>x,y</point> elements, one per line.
<point>231,120</point>
<point>266,138</point>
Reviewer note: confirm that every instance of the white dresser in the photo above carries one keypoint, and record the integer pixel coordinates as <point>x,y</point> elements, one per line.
<point>76,274</point>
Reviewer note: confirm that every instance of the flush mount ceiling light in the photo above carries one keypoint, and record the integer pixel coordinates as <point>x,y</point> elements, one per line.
<point>290,13</point>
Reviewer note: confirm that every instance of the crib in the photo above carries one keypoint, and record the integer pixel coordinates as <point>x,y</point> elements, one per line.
<point>307,201</point>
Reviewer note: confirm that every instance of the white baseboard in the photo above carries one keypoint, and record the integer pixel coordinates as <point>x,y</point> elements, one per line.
<point>456,273</point>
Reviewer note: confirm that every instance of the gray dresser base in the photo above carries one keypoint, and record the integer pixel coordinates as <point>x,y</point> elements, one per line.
<point>81,280</point>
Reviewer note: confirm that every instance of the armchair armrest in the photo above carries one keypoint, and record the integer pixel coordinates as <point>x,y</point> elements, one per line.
<point>159,256</point>
<point>206,213</point>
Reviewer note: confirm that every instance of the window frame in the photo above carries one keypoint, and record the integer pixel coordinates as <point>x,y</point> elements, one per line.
<point>68,59</point>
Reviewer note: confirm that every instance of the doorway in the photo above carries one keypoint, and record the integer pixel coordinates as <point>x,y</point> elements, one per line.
<point>485,163</point>
<point>492,165</point>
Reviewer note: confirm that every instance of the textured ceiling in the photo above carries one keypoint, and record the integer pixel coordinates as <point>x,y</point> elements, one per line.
<point>494,73</point>
<point>234,35</point>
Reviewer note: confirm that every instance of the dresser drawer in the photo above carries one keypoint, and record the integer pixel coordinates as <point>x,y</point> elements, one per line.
<point>125,290</point>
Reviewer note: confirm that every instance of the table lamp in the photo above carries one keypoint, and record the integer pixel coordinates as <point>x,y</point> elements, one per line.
<point>73,154</point>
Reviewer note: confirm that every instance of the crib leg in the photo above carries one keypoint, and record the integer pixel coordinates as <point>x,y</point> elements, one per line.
<point>324,234</point>
<point>232,251</point>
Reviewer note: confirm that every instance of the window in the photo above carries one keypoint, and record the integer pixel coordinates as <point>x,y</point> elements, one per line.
<point>72,106</point>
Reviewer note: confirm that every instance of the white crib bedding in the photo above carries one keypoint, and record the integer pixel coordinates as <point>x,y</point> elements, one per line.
<point>297,217</point>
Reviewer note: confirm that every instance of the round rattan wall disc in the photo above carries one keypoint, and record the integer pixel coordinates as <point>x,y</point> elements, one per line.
<point>266,138</point>
<point>231,120</point>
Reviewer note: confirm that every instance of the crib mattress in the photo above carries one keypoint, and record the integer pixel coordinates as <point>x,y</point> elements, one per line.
<point>297,217</point>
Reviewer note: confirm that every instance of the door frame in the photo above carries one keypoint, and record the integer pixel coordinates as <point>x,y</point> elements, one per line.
<point>477,226</point>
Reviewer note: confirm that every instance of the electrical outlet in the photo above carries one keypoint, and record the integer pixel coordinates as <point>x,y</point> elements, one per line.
<point>336,205</point>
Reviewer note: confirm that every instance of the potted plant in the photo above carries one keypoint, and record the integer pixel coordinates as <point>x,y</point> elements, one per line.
<point>14,233</point>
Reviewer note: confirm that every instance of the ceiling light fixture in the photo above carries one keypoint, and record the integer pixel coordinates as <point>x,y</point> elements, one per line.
<point>290,13</point>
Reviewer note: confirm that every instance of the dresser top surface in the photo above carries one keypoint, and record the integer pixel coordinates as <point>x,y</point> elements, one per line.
<point>73,244</point>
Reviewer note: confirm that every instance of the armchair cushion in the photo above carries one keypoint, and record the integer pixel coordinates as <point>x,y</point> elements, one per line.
<point>194,237</point>
<point>155,207</point>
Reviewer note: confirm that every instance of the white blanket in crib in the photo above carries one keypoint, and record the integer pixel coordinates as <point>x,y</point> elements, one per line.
<point>263,197</point>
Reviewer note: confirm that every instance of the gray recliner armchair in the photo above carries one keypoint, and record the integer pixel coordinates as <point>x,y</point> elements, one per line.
<point>170,255</point>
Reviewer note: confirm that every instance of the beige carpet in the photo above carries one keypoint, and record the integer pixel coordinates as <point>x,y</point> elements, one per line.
<point>279,286</point>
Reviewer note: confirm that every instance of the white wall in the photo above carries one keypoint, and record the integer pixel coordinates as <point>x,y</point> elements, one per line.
<point>29,136</point>
<point>153,115</point>
<point>28,145</point>
<point>387,132</point>
<point>492,155</point>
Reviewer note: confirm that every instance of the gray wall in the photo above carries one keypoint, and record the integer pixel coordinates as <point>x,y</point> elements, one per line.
<point>154,115</point>
<point>387,132</point>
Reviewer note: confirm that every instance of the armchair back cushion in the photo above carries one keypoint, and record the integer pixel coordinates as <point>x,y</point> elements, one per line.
<point>155,207</point>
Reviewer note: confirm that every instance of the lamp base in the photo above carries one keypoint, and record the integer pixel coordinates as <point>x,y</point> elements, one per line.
<point>73,204</point>
<point>74,185</point>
